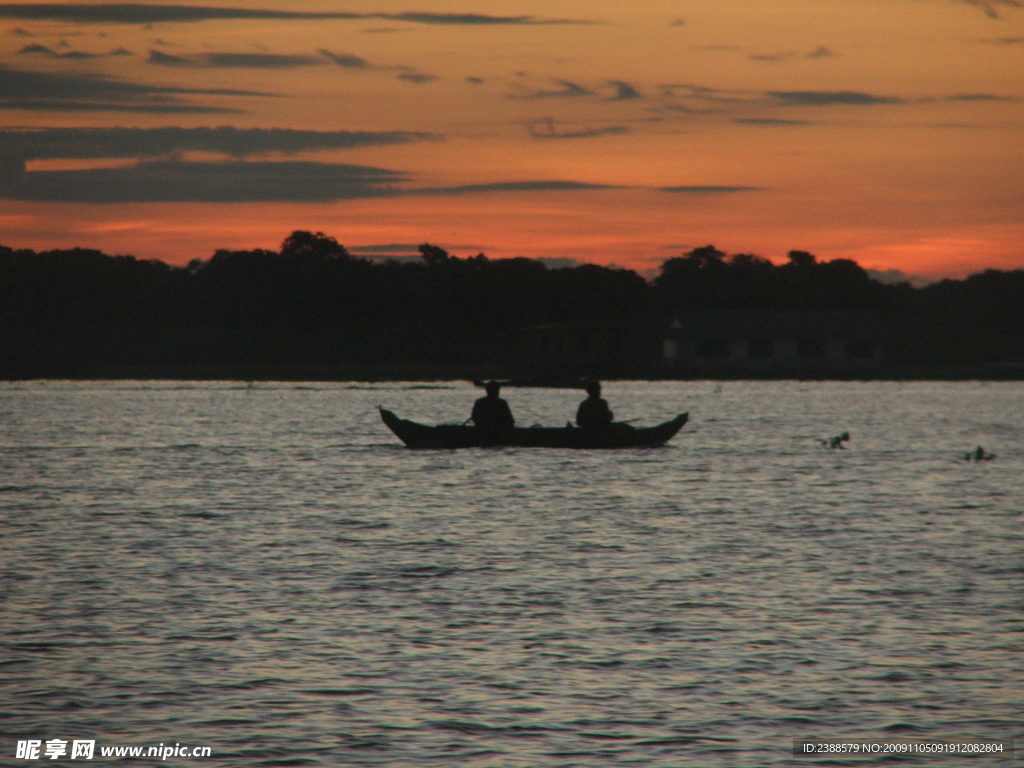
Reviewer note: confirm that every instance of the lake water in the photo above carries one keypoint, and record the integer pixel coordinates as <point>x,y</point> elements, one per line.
<point>265,570</point>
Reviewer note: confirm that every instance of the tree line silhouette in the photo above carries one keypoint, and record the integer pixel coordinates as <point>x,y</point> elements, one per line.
<point>313,308</point>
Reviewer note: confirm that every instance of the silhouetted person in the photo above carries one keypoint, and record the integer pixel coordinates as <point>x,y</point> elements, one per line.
<point>594,412</point>
<point>837,441</point>
<point>491,414</point>
<point>978,454</point>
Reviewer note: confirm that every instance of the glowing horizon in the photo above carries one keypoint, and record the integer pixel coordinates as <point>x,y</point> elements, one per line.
<point>886,132</point>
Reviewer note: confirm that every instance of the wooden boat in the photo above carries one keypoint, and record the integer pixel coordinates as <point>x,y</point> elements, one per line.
<point>416,435</point>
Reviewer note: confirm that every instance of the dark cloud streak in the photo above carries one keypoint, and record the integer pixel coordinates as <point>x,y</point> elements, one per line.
<point>771,58</point>
<point>547,129</point>
<point>568,90</point>
<point>968,97</point>
<point>234,60</point>
<point>172,108</point>
<point>42,50</point>
<point>624,91</point>
<point>831,98</point>
<point>93,143</point>
<point>23,89</point>
<point>417,78</point>
<point>991,7</point>
<point>769,121</point>
<point>346,60</point>
<point>128,13</point>
<point>473,19</point>
<point>821,52</point>
<point>574,186</point>
<point>515,186</point>
<point>171,181</point>
<point>702,190</point>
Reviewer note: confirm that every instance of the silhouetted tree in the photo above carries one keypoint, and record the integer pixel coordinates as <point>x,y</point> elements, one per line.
<point>801,259</point>
<point>71,312</point>
<point>433,256</point>
<point>312,247</point>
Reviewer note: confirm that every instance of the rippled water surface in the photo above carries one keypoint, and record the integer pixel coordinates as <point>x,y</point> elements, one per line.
<point>265,570</point>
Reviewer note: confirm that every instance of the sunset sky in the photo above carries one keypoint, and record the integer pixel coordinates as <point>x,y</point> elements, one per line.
<point>886,131</point>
